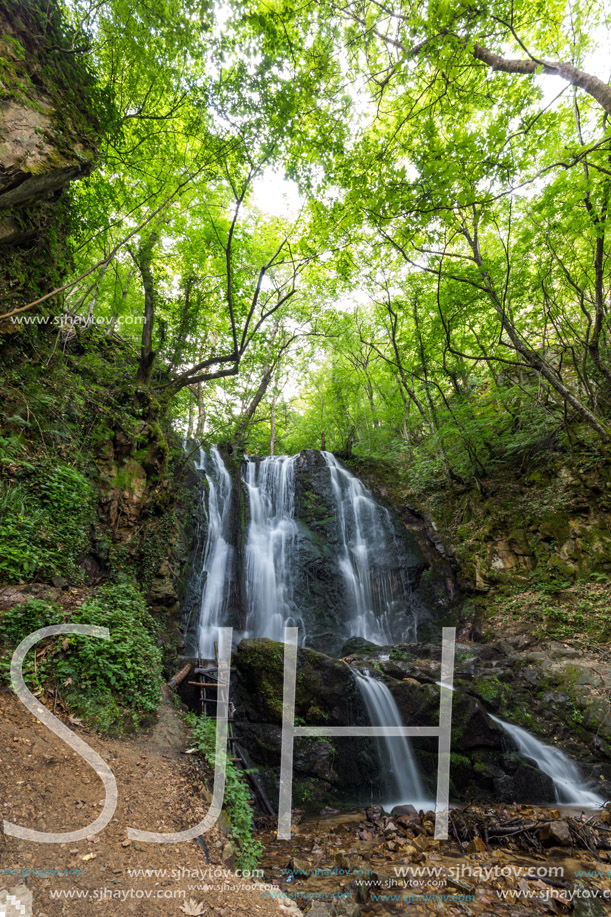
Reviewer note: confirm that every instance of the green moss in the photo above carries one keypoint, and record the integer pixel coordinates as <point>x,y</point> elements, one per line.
<point>264,660</point>
<point>314,511</point>
<point>555,525</point>
<point>491,690</point>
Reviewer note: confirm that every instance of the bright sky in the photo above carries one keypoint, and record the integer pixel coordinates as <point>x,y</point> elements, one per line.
<point>276,195</point>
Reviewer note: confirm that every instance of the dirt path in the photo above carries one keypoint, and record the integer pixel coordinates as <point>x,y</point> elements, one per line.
<point>46,786</point>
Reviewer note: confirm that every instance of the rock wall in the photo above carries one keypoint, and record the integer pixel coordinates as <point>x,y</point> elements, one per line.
<point>419,592</point>
<point>552,521</point>
<point>556,521</point>
<point>345,772</point>
<point>49,133</point>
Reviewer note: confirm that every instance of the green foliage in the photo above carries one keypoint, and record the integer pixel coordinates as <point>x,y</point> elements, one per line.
<point>560,610</point>
<point>114,684</point>
<point>237,796</point>
<point>15,625</point>
<point>45,523</point>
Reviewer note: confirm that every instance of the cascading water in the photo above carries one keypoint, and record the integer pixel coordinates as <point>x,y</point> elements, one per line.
<point>218,556</point>
<point>372,570</point>
<point>565,774</point>
<point>366,534</point>
<point>399,768</point>
<point>271,548</point>
<point>339,570</point>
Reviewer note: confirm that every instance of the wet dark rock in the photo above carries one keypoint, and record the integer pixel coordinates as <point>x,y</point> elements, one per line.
<point>374,813</point>
<point>406,811</point>
<point>358,646</point>
<point>346,771</point>
<point>322,642</point>
<point>92,570</point>
<point>525,783</point>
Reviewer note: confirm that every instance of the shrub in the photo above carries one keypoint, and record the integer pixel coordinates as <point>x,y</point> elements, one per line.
<point>112,684</point>
<point>45,524</point>
<point>236,794</point>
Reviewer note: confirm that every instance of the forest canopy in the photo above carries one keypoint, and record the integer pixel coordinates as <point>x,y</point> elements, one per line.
<point>371,227</point>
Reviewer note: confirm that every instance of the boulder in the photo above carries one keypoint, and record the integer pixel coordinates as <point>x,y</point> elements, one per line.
<point>555,834</point>
<point>586,902</point>
<point>406,811</point>
<point>299,868</point>
<point>524,784</point>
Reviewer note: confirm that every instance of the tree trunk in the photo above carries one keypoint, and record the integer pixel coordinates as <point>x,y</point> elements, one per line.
<point>272,427</point>
<point>255,402</point>
<point>541,366</point>
<point>143,259</point>
<point>190,423</point>
<point>201,413</point>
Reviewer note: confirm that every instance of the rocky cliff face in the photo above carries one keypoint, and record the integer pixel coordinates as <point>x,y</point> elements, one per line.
<point>485,767</point>
<point>417,596</point>
<point>49,133</point>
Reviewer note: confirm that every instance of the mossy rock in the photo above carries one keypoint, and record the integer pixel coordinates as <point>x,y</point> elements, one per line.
<point>555,527</point>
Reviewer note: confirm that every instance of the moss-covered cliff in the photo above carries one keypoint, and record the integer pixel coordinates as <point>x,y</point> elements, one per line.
<point>50,124</point>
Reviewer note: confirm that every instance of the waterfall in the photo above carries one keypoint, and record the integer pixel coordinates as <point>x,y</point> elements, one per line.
<point>218,556</point>
<point>565,774</point>
<point>366,534</point>
<point>369,569</point>
<point>271,548</point>
<point>399,768</point>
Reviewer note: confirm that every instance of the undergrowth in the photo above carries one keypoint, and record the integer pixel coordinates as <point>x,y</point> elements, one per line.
<point>45,518</point>
<point>236,794</point>
<point>577,612</point>
<point>113,685</point>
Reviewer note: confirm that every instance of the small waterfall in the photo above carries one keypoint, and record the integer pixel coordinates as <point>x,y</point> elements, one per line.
<point>271,548</point>
<point>218,557</point>
<point>568,780</point>
<point>366,535</point>
<point>402,777</point>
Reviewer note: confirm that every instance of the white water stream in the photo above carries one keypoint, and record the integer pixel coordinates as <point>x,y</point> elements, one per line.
<point>218,555</point>
<point>366,533</point>
<point>271,548</point>
<point>568,780</point>
<point>399,768</point>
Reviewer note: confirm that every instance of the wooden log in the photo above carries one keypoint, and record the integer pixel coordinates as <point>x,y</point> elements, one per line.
<point>179,677</point>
